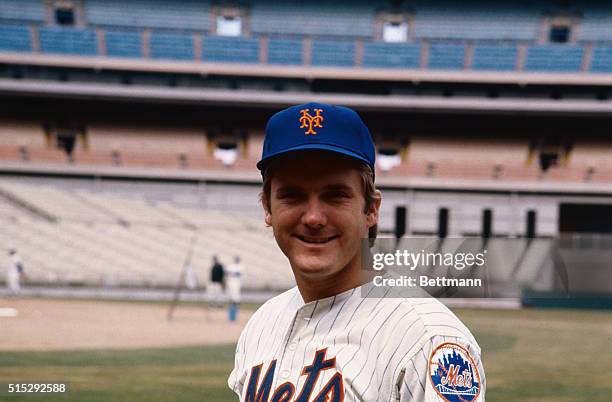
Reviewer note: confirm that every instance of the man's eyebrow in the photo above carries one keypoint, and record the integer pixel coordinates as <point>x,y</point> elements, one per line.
<point>288,189</point>
<point>338,186</point>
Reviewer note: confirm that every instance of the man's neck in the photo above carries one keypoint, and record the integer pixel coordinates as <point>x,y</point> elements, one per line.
<point>313,289</point>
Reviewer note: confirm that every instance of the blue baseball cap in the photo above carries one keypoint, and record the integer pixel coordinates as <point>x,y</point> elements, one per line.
<point>317,126</point>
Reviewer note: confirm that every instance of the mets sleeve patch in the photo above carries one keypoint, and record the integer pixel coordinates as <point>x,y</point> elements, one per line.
<point>453,373</point>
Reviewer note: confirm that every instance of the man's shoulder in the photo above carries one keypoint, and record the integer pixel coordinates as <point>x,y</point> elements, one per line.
<point>428,318</point>
<point>276,303</point>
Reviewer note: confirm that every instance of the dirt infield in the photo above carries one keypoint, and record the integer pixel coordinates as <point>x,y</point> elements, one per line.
<point>43,324</point>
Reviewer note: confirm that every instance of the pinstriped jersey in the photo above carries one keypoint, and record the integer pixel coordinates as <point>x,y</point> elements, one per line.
<point>353,348</point>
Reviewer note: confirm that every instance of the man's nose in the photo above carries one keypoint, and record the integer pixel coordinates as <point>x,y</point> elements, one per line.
<point>314,215</point>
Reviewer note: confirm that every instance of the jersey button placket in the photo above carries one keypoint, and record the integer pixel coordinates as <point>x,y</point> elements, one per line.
<point>284,366</point>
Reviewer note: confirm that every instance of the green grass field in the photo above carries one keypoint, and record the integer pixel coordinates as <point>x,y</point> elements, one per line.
<point>529,355</point>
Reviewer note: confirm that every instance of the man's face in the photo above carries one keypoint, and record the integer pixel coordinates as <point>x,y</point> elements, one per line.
<point>317,213</point>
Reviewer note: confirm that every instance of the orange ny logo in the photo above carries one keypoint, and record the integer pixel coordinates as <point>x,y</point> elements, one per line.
<point>309,121</point>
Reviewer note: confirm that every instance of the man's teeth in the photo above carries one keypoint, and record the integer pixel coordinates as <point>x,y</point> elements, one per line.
<point>316,240</point>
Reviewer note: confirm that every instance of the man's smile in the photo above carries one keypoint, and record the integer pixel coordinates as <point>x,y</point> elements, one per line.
<point>316,239</point>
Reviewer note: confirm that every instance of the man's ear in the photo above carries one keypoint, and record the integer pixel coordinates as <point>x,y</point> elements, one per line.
<point>372,213</point>
<point>268,218</point>
<point>267,213</point>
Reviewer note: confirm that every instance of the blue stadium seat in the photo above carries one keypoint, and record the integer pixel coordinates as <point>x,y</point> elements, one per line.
<point>230,49</point>
<point>291,17</point>
<point>554,58</point>
<point>333,53</point>
<point>171,46</point>
<point>15,38</point>
<point>494,57</point>
<point>444,56</point>
<point>123,43</point>
<point>391,55</point>
<point>22,10</point>
<point>184,14</point>
<point>68,41</point>
<point>471,19</point>
<point>601,61</point>
<point>286,51</point>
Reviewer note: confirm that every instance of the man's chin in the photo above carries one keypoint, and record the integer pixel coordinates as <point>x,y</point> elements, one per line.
<point>314,267</point>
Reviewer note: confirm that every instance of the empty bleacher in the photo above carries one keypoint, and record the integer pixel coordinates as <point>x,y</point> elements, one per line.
<point>560,58</point>
<point>122,43</point>
<point>445,56</point>
<point>229,49</point>
<point>392,55</point>
<point>15,38</point>
<point>22,10</point>
<point>494,57</point>
<point>286,51</point>
<point>187,148</point>
<point>596,22</point>
<point>343,19</point>
<point>330,34</point>
<point>177,46</point>
<point>73,41</point>
<point>471,20</point>
<point>601,61</point>
<point>448,157</point>
<point>333,53</point>
<point>115,240</point>
<point>176,15</point>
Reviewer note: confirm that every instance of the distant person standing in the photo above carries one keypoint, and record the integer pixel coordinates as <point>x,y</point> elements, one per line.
<point>217,282</point>
<point>14,273</point>
<point>234,285</point>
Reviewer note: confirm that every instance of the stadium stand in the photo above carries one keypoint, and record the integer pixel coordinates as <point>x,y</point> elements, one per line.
<point>494,57</point>
<point>22,10</point>
<point>179,15</point>
<point>178,46</point>
<point>561,58</point>
<point>285,51</point>
<point>123,43</point>
<point>340,19</point>
<point>392,55</point>
<point>166,30</point>
<point>446,157</point>
<point>596,21</point>
<point>229,49</point>
<point>496,21</point>
<point>15,38</point>
<point>112,240</point>
<point>601,61</point>
<point>333,53</point>
<point>444,56</point>
<point>68,41</point>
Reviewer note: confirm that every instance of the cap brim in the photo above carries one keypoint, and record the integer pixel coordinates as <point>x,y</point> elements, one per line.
<point>261,165</point>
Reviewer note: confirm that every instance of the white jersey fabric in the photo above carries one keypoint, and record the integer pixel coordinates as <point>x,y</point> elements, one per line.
<point>354,348</point>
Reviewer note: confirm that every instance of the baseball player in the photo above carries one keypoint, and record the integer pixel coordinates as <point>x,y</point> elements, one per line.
<point>325,340</point>
<point>233,272</point>
<point>14,273</point>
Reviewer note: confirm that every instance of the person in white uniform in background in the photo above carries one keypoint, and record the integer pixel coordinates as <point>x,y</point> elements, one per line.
<point>233,282</point>
<point>14,273</point>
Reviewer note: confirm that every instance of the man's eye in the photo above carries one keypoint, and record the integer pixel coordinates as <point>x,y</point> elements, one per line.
<point>338,194</point>
<point>287,196</point>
